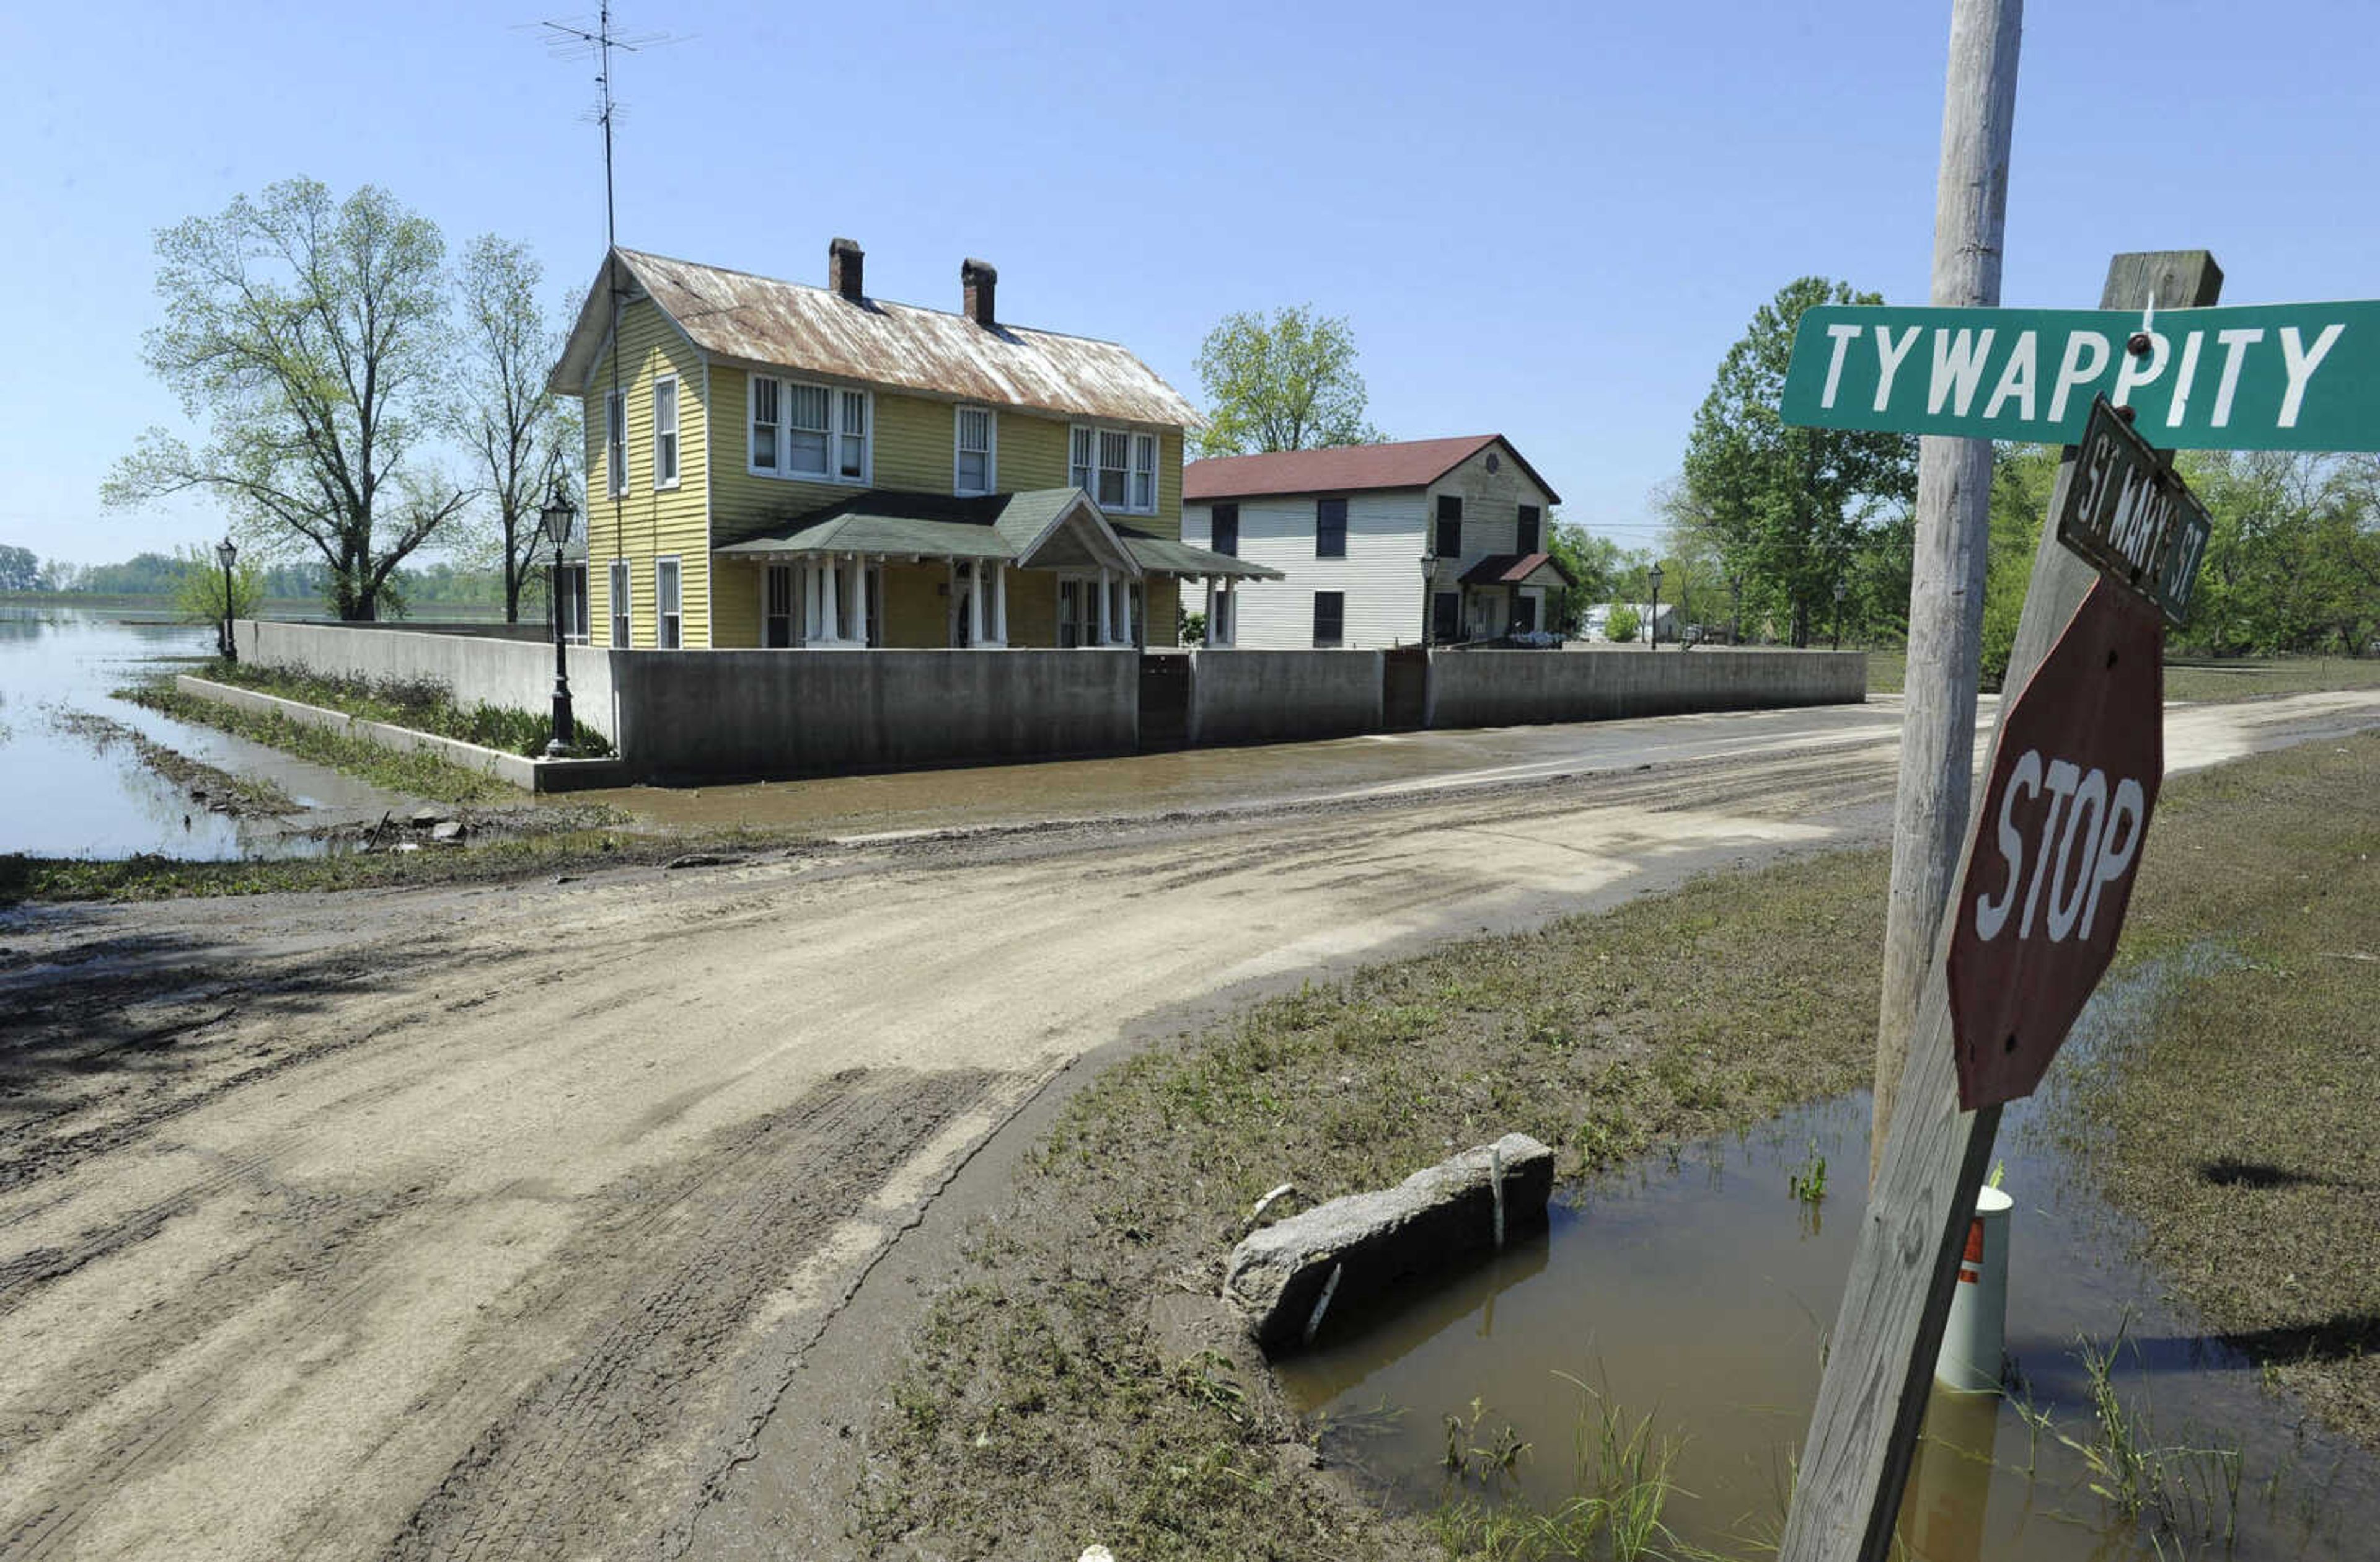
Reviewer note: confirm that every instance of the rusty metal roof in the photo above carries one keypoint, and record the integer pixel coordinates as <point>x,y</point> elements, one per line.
<point>760,322</point>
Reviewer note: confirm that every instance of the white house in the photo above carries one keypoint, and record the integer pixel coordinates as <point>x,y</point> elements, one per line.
<point>1376,541</point>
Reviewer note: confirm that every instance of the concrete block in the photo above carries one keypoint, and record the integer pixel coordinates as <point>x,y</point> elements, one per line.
<point>1375,1241</point>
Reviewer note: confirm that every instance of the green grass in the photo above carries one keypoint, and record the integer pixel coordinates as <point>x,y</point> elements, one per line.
<point>1041,1407</point>
<point>417,774</point>
<point>2195,678</point>
<point>421,704</point>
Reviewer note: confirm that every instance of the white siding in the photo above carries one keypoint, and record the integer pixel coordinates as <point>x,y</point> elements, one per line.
<point>1380,576</point>
<point>1491,519</point>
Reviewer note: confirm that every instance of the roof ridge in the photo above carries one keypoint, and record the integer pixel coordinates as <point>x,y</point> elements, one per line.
<point>871,297</point>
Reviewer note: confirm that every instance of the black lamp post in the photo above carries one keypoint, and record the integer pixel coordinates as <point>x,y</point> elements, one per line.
<point>1841,591</point>
<point>1655,576</point>
<point>556,518</point>
<point>226,553</point>
<point>1428,600</point>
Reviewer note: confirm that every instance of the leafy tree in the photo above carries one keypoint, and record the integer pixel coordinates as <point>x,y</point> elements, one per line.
<point>19,569</point>
<point>2293,561</point>
<point>309,334</point>
<point>1789,509</point>
<point>522,437</point>
<point>198,593</point>
<point>2023,477</point>
<point>1594,562</point>
<point>1286,381</point>
<point>1622,624</point>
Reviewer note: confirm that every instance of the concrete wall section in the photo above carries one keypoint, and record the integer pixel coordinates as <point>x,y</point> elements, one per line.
<point>759,713</point>
<point>1513,688</point>
<point>511,675</point>
<point>1283,696</point>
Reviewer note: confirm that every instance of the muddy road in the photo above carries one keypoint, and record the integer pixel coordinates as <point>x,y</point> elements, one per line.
<point>496,1221</point>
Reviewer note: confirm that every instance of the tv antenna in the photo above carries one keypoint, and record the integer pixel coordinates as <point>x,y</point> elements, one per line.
<point>583,40</point>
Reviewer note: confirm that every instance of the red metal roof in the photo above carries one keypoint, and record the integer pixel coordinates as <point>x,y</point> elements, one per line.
<point>1412,463</point>
<point>1502,569</point>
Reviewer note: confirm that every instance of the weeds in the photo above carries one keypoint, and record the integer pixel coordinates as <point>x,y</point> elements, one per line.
<point>1620,1489</point>
<point>1807,1181</point>
<point>1468,1459</point>
<point>422,704</point>
<point>2186,1492</point>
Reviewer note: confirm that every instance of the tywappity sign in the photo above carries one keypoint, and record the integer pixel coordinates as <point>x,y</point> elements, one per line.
<point>2262,377</point>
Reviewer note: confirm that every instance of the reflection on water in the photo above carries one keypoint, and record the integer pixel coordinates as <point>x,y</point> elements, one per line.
<point>63,795</point>
<point>1694,1290</point>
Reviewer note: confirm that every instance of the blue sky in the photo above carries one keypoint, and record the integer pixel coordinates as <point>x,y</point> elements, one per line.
<point>1548,221</point>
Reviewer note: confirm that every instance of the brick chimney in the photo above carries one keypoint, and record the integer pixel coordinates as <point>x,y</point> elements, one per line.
<point>844,259</point>
<point>977,279</point>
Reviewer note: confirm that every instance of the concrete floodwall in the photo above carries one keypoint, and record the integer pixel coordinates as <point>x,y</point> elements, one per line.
<point>477,670</point>
<point>1513,688</point>
<point>1283,696</point>
<point>688,714</point>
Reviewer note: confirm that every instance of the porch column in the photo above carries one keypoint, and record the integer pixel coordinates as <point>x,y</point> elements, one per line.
<point>830,604</point>
<point>1107,593</point>
<point>975,602</point>
<point>813,614</point>
<point>859,598</point>
<point>1124,606</point>
<point>1231,613</point>
<point>999,601</point>
<point>952,636</point>
<point>1208,638</point>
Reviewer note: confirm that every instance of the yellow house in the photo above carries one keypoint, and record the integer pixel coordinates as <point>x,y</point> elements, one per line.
<point>772,464</point>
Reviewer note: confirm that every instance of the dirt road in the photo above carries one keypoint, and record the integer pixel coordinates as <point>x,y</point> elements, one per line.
<point>494,1222</point>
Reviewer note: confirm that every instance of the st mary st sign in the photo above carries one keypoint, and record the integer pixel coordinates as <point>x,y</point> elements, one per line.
<point>2262,377</point>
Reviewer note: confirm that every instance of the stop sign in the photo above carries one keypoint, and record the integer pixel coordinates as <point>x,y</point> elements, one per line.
<point>2057,845</point>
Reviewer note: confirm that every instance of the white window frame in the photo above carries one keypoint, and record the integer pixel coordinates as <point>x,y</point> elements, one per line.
<point>1085,466</point>
<point>620,591</point>
<point>665,473</point>
<point>616,443</point>
<point>668,627</point>
<point>959,451</point>
<point>841,402</point>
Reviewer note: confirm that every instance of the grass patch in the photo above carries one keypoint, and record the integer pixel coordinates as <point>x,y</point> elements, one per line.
<point>1049,1403</point>
<point>2255,677</point>
<point>1887,671</point>
<point>417,774</point>
<point>240,795</point>
<point>508,857</point>
<point>422,704</point>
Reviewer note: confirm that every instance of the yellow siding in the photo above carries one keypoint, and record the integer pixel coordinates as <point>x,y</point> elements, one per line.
<point>736,604</point>
<point>646,523</point>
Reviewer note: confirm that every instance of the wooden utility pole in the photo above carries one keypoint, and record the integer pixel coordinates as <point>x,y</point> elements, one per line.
<point>1954,496</point>
<point>1880,1357</point>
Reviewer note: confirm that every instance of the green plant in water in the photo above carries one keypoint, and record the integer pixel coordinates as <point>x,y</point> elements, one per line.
<point>1467,1458</point>
<point>1807,1181</point>
<point>1621,1487</point>
<point>2184,1491</point>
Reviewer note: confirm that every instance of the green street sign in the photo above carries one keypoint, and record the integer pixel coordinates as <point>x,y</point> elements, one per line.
<point>2263,377</point>
<point>2127,511</point>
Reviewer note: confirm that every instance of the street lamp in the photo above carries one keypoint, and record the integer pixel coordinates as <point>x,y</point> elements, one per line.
<point>1428,606</point>
<point>226,553</point>
<point>1655,576</point>
<point>556,518</point>
<point>1841,591</point>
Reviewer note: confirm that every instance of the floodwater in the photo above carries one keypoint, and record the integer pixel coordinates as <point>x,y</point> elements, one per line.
<point>1699,1291</point>
<point>65,794</point>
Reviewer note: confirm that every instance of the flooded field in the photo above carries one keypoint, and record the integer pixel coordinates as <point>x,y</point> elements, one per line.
<point>74,786</point>
<point>1691,1300</point>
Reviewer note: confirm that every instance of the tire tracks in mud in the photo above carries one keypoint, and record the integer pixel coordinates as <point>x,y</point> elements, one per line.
<point>558,1472</point>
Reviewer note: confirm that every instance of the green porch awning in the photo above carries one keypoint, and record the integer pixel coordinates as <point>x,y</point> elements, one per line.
<point>1163,555</point>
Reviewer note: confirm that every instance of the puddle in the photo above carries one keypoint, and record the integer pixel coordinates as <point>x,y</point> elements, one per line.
<point>63,794</point>
<point>1697,1290</point>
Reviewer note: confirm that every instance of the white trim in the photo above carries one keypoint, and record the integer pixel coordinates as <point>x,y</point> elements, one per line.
<point>835,432</point>
<point>677,443</point>
<point>1125,564</point>
<point>990,448</point>
<point>1132,438</point>
<point>660,615</point>
<point>616,443</point>
<point>620,594</point>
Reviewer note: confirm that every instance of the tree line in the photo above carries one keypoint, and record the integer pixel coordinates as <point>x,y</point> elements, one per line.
<point>150,574</point>
<point>362,396</point>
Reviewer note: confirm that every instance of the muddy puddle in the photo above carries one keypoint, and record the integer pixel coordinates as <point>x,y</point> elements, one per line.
<point>74,781</point>
<point>1697,1292</point>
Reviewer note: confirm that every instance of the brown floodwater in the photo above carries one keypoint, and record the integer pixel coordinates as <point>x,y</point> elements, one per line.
<point>1696,1290</point>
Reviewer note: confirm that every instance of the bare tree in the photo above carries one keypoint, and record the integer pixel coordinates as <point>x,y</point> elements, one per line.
<point>522,437</point>
<point>309,334</point>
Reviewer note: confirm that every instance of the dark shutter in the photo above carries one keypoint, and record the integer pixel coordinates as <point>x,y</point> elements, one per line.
<point>1329,617</point>
<point>1529,541</point>
<point>1446,616</point>
<point>1450,525</point>
<point>1330,529</point>
<point>1227,530</point>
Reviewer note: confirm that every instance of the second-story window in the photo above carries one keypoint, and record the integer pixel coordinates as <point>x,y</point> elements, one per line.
<point>1530,533</point>
<point>616,441</point>
<point>1330,529</point>
<point>1116,468</point>
<point>808,431</point>
<point>1450,526</point>
<point>976,472</point>
<point>1226,537</point>
<point>665,432</point>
